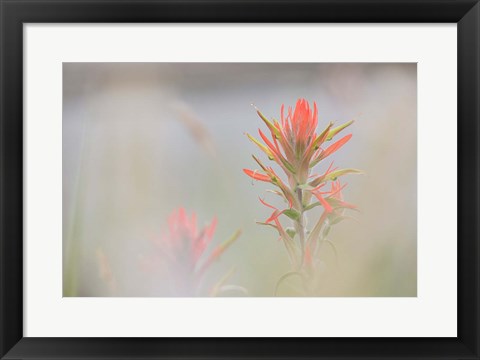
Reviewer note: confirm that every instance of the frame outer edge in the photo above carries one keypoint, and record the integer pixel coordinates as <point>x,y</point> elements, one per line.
<point>468,70</point>
<point>2,172</point>
<point>11,178</point>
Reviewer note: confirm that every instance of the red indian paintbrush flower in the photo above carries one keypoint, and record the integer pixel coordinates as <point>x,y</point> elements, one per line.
<point>183,250</point>
<point>296,147</point>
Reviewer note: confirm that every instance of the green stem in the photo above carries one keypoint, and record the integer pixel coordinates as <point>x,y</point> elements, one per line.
<point>334,249</point>
<point>285,276</point>
<point>300,225</point>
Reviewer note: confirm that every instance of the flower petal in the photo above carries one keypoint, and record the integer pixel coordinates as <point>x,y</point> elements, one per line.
<point>325,204</point>
<point>335,146</point>
<point>255,175</point>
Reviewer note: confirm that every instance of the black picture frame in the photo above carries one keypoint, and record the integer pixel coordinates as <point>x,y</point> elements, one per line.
<point>15,13</point>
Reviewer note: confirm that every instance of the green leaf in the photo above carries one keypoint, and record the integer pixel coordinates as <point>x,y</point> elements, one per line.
<point>288,165</point>
<point>339,204</point>
<point>276,192</point>
<point>312,205</point>
<point>291,232</point>
<point>305,187</point>
<point>338,219</point>
<point>333,176</point>
<point>292,214</point>
<point>264,168</point>
<point>269,124</point>
<point>336,130</point>
<point>337,173</point>
<point>321,137</point>
<point>224,245</point>
<point>335,203</point>
<point>327,231</point>
<point>266,224</point>
<point>261,146</point>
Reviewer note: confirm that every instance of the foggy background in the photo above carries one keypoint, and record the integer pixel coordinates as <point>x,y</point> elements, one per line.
<point>143,139</point>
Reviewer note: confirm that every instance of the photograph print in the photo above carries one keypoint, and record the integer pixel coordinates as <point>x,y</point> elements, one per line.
<point>239,179</point>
